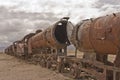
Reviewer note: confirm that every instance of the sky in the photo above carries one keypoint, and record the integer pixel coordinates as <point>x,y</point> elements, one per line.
<point>20,17</point>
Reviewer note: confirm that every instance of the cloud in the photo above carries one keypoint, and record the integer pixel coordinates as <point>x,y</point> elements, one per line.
<point>15,25</point>
<point>107,6</point>
<point>60,8</point>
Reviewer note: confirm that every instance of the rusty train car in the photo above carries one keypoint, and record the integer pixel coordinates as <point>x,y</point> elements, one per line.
<point>42,46</point>
<point>101,36</point>
<point>97,38</point>
<point>9,50</point>
<point>53,37</point>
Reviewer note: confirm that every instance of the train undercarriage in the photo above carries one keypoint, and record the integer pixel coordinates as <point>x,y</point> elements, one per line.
<point>90,66</point>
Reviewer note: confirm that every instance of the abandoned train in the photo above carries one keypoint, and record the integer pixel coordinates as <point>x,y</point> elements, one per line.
<point>97,38</point>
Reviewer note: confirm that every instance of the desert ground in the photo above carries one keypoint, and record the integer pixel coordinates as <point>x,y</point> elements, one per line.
<point>12,68</point>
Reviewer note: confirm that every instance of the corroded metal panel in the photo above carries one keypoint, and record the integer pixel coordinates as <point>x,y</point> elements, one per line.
<point>99,35</point>
<point>54,36</point>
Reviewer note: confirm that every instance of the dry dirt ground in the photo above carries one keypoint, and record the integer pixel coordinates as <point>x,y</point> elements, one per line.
<point>12,68</point>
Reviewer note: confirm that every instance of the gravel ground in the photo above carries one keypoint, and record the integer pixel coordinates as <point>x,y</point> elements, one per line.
<point>12,68</point>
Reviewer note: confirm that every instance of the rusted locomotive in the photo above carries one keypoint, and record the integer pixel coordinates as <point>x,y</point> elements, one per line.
<point>97,38</point>
<point>101,36</point>
<point>44,46</point>
<point>9,50</point>
<point>53,37</point>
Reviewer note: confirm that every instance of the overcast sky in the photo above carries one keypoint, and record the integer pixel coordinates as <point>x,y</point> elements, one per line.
<point>20,17</point>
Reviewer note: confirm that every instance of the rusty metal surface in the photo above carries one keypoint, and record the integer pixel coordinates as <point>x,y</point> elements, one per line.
<point>100,35</point>
<point>18,48</point>
<point>80,36</point>
<point>104,34</point>
<point>26,38</point>
<point>9,50</point>
<point>55,36</point>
